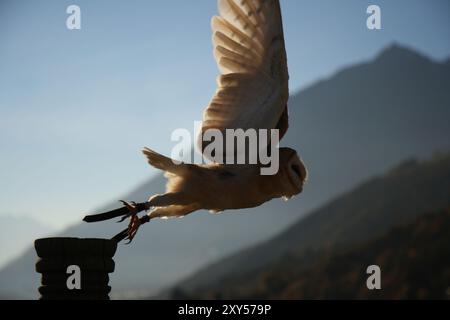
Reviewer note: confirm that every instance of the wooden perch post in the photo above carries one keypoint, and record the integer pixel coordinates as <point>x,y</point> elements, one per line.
<point>75,269</point>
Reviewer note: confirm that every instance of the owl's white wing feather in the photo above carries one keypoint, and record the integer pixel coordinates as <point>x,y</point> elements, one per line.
<point>249,49</point>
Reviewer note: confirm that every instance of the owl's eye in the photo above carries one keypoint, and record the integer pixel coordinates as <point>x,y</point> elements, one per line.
<point>297,170</point>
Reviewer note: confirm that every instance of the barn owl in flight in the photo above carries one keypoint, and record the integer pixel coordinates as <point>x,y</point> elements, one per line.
<point>252,93</point>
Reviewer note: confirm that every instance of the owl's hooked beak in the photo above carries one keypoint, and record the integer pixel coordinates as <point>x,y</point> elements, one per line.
<point>297,173</point>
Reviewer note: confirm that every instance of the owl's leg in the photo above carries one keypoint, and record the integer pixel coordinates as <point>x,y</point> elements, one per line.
<point>159,212</point>
<point>168,199</point>
<point>131,209</point>
<point>159,200</point>
<point>170,204</point>
<point>173,211</point>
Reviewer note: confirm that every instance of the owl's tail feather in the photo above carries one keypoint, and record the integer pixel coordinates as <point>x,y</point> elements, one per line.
<point>167,164</point>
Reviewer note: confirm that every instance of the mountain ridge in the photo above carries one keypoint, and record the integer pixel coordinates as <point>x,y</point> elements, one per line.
<point>23,230</point>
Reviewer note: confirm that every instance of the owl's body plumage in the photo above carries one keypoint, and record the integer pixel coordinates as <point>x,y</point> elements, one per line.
<point>218,187</point>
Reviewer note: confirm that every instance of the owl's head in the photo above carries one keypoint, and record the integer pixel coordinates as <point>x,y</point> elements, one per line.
<point>293,173</point>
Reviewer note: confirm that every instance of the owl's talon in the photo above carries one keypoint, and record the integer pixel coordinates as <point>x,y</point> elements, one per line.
<point>133,227</point>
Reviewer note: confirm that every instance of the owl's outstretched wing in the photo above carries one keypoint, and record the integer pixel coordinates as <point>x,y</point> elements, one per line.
<point>252,90</point>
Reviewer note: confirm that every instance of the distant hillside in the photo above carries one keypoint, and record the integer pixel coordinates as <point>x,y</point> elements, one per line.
<point>351,220</point>
<point>352,126</point>
<point>16,234</point>
<point>414,260</point>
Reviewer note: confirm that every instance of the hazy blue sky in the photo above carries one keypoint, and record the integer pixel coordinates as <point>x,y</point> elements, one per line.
<point>77,106</point>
